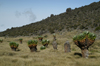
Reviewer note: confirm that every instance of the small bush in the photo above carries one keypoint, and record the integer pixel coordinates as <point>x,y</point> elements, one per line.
<point>42,47</point>
<point>1,40</point>
<point>20,39</point>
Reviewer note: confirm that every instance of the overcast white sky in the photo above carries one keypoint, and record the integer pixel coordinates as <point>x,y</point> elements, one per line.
<point>15,13</point>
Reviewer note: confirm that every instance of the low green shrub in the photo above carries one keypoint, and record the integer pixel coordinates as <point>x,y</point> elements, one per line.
<point>42,47</point>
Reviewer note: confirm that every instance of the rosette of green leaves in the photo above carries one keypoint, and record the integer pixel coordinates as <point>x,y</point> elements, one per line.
<point>81,37</point>
<point>42,47</point>
<point>30,42</point>
<point>21,39</point>
<point>1,40</point>
<point>75,38</point>
<point>86,33</point>
<point>48,41</point>
<point>91,36</point>
<point>14,44</point>
<point>54,35</point>
<point>40,37</point>
<point>35,42</point>
<point>45,42</point>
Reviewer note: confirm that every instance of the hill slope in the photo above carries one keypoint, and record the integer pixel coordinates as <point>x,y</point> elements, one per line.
<point>85,17</point>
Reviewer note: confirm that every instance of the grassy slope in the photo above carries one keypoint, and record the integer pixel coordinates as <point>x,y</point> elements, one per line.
<point>49,56</point>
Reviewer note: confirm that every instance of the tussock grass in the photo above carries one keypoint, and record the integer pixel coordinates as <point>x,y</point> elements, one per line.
<point>49,56</point>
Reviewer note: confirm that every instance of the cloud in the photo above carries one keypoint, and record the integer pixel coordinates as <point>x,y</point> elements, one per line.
<point>27,13</point>
<point>17,14</point>
<point>30,14</point>
<point>2,25</point>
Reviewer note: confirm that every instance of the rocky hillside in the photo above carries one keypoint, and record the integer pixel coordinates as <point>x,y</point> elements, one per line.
<point>86,17</point>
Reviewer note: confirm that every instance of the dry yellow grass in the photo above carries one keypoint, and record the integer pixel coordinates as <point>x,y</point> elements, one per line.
<point>49,56</point>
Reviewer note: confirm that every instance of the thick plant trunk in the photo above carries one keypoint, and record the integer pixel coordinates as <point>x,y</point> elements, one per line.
<point>40,39</point>
<point>13,49</point>
<point>20,41</point>
<point>46,45</point>
<point>1,41</point>
<point>33,49</point>
<point>84,49</point>
<point>85,53</point>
